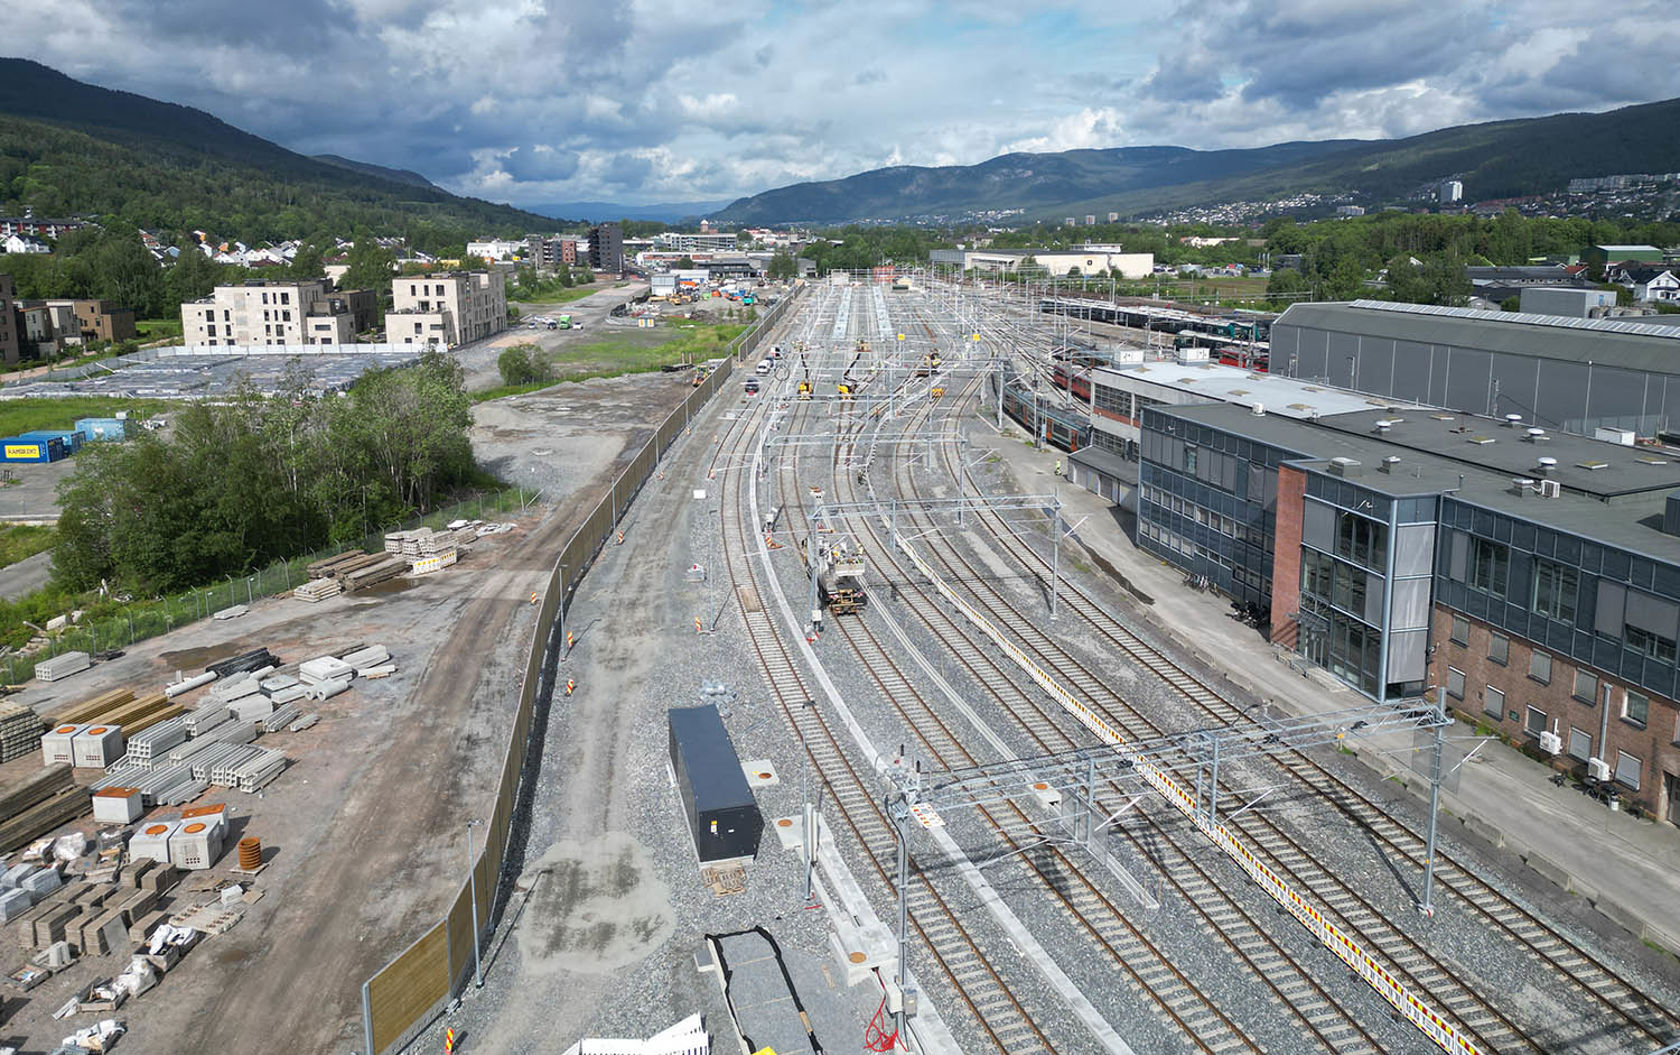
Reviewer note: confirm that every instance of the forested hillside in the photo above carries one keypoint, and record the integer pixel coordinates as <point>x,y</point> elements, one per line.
<point>72,148</point>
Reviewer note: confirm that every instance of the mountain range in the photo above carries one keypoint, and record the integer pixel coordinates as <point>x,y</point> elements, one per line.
<point>1501,159</point>
<point>71,147</point>
<point>599,211</point>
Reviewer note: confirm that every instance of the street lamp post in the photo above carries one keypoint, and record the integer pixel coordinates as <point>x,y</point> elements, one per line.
<point>472,881</point>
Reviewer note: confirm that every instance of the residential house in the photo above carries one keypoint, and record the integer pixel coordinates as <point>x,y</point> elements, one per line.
<point>447,309</point>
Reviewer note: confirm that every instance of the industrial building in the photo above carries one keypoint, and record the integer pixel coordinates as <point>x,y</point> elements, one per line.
<point>447,309</point>
<point>1568,375</point>
<point>1087,260</point>
<point>1533,574</point>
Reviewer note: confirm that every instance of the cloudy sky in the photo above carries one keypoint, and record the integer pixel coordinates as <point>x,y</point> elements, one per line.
<point>640,101</point>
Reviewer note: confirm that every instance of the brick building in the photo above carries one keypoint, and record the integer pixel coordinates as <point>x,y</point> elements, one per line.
<point>1534,575</point>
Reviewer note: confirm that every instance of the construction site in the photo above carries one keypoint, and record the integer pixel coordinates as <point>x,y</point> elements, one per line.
<point>246,813</point>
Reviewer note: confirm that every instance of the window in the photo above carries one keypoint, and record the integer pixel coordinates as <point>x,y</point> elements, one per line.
<point>1455,683</point>
<point>1586,686</point>
<point>1629,769</point>
<point>1534,722</point>
<point>1361,540</point>
<point>1636,708</point>
<point>1460,634</point>
<point>1493,703</point>
<point>285,298</point>
<point>1490,565</point>
<point>1580,744</point>
<point>1540,667</point>
<point>1643,641</point>
<point>1554,591</point>
<point>1499,648</point>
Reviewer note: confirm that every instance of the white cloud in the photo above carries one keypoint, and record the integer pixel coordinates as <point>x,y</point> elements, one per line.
<point>533,100</point>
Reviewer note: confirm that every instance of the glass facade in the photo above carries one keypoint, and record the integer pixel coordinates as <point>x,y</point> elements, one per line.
<point>1366,569</point>
<point>1207,503</point>
<point>1597,605</point>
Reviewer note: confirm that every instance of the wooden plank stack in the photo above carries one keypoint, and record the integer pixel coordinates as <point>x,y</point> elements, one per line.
<point>94,708</point>
<point>39,803</point>
<point>121,707</point>
<point>20,730</point>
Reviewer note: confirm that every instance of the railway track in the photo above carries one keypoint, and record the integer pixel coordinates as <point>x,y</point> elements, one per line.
<point>996,1011</point>
<point>1582,972</point>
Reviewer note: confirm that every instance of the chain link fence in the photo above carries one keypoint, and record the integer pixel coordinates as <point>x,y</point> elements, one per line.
<point>141,619</point>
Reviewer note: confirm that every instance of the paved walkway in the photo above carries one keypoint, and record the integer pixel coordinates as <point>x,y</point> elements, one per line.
<point>1629,869</point>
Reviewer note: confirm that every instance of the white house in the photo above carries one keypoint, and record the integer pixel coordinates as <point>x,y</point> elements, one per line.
<point>1651,284</point>
<point>24,243</point>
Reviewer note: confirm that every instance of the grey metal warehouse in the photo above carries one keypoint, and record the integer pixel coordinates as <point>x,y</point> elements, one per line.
<point>1570,375</point>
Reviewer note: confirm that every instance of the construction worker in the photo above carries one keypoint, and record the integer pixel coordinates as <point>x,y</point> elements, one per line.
<point>1058,467</point>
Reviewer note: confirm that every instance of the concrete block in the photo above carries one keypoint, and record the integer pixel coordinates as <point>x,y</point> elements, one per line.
<point>141,928</point>
<point>14,876</point>
<point>1621,917</point>
<point>137,904</point>
<point>43,882</point>
<point>14,903</point>
<point>1482,829</point>
<point>1556,873</point>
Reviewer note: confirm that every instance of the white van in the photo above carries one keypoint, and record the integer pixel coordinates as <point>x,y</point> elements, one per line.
<point>764,367</point>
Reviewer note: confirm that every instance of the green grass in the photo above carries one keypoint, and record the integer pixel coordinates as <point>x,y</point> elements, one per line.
<point>157,329</point>
<point>25,415</point>
<point>565,296</point>
<point>629,352</point>
<point>22,541</point>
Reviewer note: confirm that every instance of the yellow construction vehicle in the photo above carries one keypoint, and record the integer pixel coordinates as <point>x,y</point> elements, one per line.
<point>804,390</point>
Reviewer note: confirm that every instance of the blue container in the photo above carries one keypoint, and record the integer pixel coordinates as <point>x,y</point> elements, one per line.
<point>96,430</point>
<point>71,439</point>
<point>19,449</point>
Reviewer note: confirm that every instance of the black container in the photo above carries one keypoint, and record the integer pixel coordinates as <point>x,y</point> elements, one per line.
<point>721,811</point>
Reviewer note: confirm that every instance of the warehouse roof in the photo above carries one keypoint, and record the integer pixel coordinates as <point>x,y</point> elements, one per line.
<point>1286,396</point>
<point>1609,342</point>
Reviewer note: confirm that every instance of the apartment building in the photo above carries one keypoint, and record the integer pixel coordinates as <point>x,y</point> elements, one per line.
<point>8,321</point>
<point>446,309</point>
<point>95,320</point>
<point>267,313</point>
<point>606,248</point>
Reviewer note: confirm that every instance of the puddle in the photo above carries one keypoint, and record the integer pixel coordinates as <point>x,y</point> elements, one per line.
<point>199,658</point>
<point>390,586</point>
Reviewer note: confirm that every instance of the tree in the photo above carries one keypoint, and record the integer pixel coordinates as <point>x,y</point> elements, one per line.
<point>368,265</point>
<point>685,263</point>
<point>523,364</point>
<point>783,266</point>
<point>1284,282</point>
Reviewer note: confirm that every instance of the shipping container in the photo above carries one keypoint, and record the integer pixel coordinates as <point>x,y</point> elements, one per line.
<point>18,449</point>
<point>721,812</point>
<point>98,430</point>
<point>71,439</point>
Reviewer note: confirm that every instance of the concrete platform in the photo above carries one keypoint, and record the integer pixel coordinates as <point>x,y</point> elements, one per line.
<point>1628,869</point>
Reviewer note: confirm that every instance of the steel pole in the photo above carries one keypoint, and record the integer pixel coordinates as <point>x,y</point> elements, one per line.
<point>1055,556</point>
<point>472,880</point>
<point>903,917</point>
<point>1428,905</point>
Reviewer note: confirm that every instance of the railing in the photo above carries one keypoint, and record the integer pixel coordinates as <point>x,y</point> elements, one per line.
<point>405,995</point>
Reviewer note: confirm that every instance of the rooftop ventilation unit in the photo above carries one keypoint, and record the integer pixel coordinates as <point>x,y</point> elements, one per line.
<point>1545,465</point>
<point>1383,424</point>
<point>1513,420</point>
<point>1390,462</point>
<point>1520,486</point>
<point>1345,467</point>
<point>1550,489</point>
<point>1536,435</point>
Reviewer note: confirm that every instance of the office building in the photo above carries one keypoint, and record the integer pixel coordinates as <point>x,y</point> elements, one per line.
<point>606,248</point>
<point>447,309</point>
<point>1088,261</point>
<point>1533,575</point>
<point>1449,191</point>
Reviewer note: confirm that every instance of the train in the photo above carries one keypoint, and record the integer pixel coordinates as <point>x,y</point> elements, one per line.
<point>1238,337</point>
<point>1058,426</point>
<point>1074,379</point>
